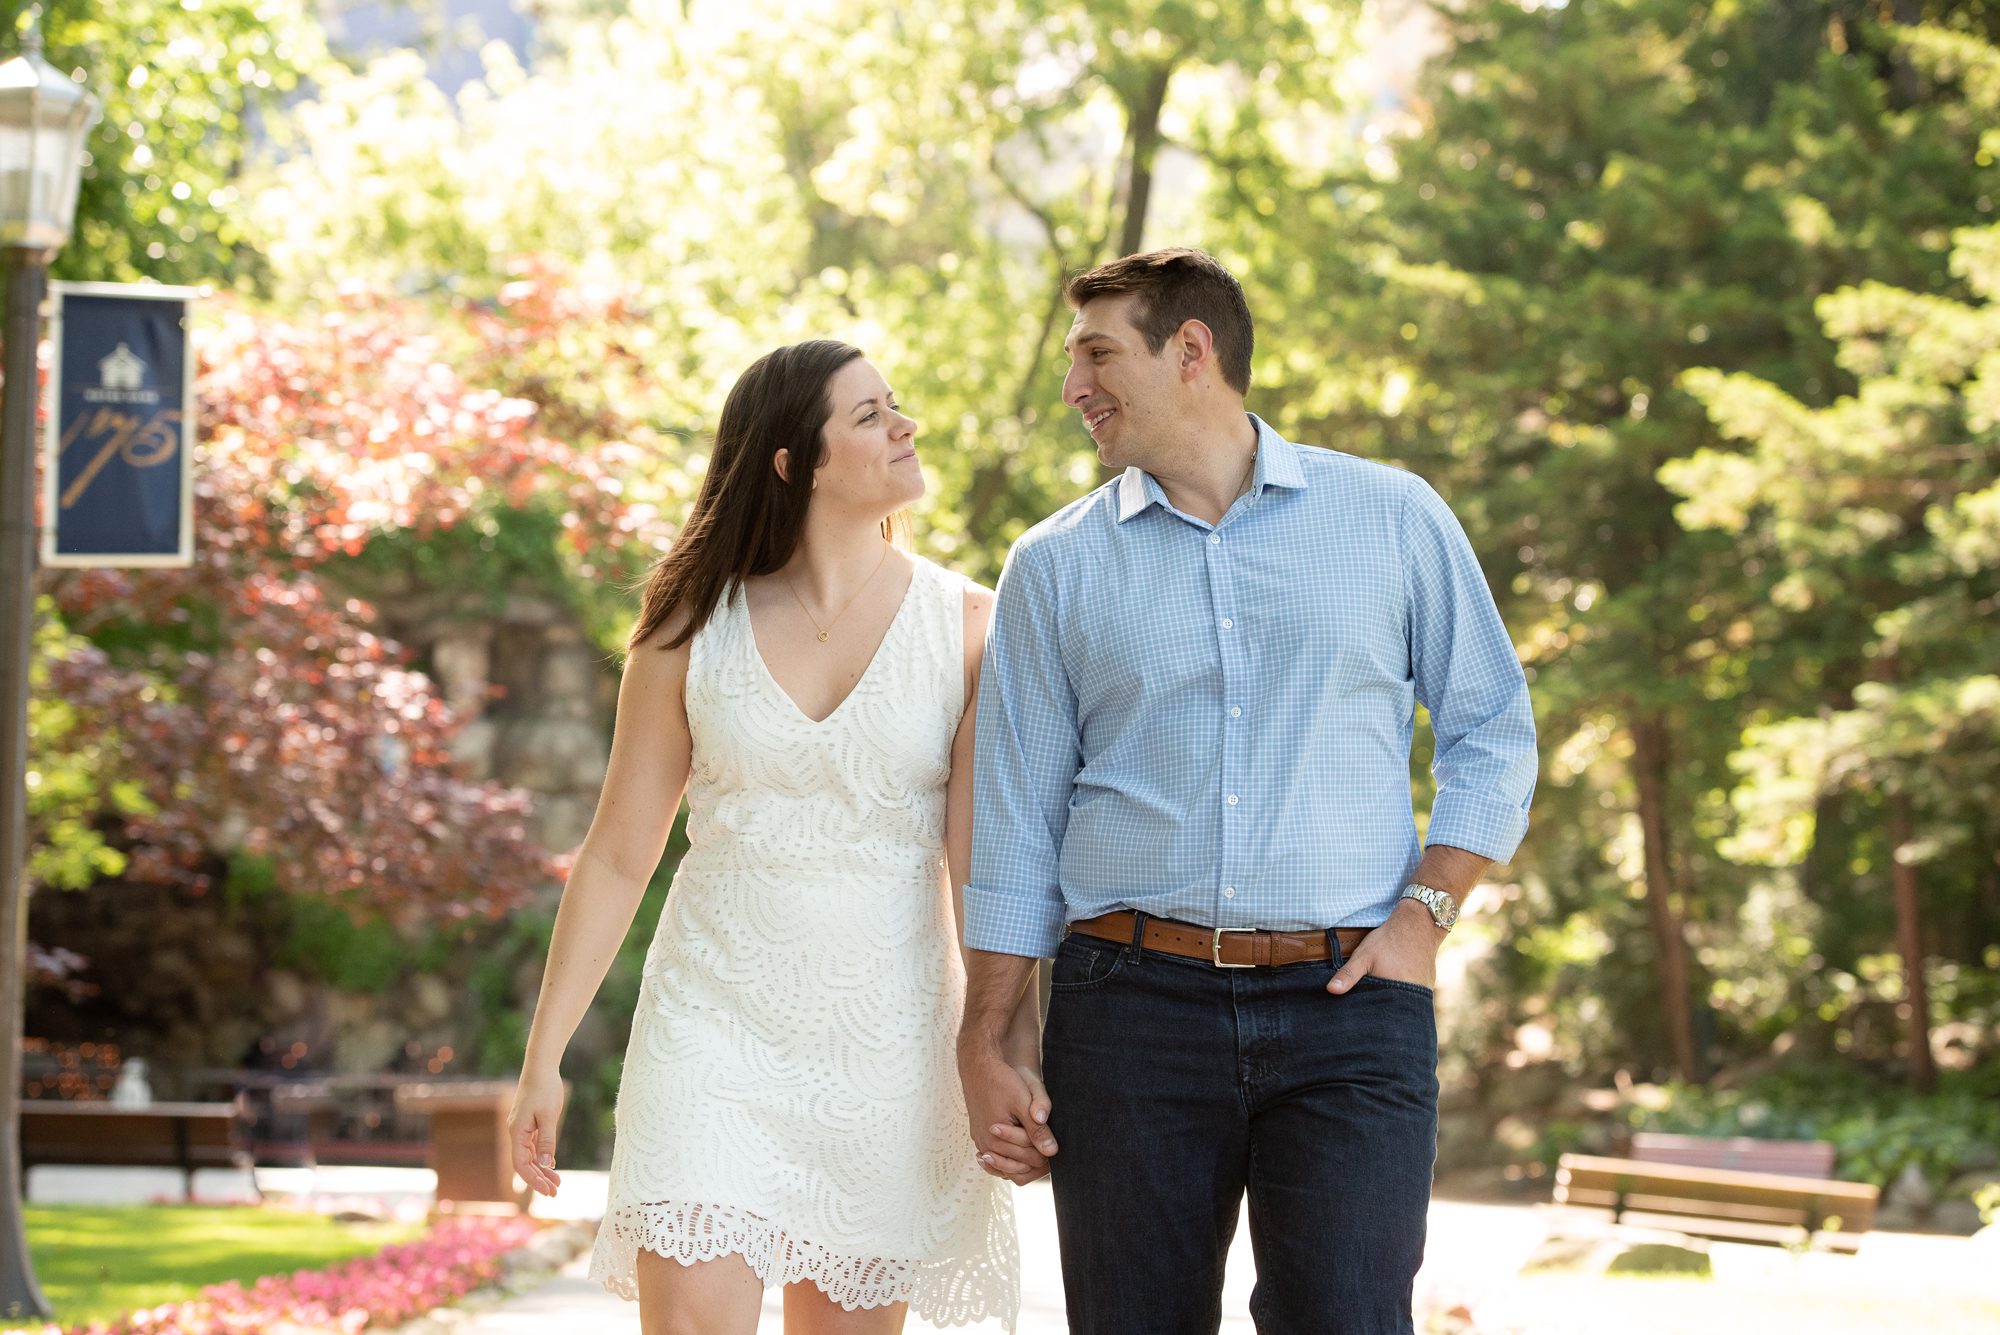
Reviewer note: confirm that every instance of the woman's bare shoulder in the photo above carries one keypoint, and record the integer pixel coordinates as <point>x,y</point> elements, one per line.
<point>657,657</point>
<point>978,614</point>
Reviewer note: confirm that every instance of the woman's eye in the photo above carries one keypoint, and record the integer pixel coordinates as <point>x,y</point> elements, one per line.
<point>866,420</point>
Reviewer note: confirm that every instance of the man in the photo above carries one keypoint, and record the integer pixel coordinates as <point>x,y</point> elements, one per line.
<point>1193,748</point>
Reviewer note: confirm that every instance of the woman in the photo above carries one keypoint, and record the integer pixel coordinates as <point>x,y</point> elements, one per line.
<point>790,1111</point>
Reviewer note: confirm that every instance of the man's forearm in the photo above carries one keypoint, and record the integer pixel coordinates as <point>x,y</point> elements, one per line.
<point>1452,870</point>
<point>994,984</point>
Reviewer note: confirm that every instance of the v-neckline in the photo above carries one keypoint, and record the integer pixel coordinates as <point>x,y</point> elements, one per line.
<point>750,626</point>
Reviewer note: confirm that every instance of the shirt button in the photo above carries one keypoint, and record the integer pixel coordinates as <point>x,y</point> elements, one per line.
<point>1229,892</point>
<point>1227,623</point>
<point>1236,712</point>
<point>1232,799</point>
<point>1215,539</point>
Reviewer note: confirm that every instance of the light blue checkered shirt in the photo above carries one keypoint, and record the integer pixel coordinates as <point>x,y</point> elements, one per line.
<point>1212,723</point>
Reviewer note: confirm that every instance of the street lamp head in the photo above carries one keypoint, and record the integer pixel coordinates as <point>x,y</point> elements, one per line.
<point>45,117</point>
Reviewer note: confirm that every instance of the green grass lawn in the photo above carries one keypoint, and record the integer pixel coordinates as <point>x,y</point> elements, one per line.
<point>97,1262</point>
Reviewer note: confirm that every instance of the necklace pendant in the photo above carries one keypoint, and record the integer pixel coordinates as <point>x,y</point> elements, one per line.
<point>822,637</point>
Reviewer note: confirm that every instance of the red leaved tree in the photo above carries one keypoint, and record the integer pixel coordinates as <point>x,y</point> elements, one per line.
<point>245,705</point>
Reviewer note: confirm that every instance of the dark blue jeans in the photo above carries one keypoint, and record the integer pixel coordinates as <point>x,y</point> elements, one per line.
<point>1178,1085</point>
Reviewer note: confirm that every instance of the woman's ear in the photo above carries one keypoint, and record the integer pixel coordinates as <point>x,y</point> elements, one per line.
<point>782,461</point>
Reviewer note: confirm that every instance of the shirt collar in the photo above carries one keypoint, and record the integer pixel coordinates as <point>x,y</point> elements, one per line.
<point>1277,466</point>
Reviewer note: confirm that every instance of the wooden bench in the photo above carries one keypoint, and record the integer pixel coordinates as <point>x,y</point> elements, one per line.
<point>468,1144</point>
<point>1725,1203</point>
<point>1787,1158</point>
<point>186,1136</point>
<point>320,1105</point>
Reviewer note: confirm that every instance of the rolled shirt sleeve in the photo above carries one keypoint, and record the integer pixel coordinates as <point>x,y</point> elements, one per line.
<point>1027,755</point>
<point>1468,675</point>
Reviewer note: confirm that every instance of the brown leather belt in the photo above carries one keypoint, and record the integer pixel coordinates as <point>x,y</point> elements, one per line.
<point>1224,947</point>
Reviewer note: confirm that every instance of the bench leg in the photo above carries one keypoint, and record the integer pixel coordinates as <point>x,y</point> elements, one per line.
<point>187,1162</point>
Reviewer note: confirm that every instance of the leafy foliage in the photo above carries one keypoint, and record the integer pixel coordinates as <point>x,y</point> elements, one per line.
<point>241,705</point>
<point>188,91</point>
<point>1877,1130</point>
<point>1508,292</point>
<point>917,187</point>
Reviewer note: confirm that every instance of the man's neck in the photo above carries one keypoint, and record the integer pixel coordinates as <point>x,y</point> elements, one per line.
<point>1211,465</point>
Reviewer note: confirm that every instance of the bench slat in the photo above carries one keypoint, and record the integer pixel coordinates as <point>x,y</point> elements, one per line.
<point>1788,1158</point>
<point>1716,1179</point>
<point>104,1108</point>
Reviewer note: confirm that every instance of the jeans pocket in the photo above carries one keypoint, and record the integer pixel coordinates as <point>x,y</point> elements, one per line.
<point>1080,966</point>
<point>1429,994</point>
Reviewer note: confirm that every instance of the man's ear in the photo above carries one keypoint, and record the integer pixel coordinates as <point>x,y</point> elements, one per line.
<point>1196,344</point>
<point>782,461</point>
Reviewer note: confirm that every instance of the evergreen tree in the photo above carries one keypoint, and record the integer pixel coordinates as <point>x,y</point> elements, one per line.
<point>1584,203</point>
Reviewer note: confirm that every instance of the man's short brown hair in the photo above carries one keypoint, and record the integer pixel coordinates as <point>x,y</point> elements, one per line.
<point>1173,287</point>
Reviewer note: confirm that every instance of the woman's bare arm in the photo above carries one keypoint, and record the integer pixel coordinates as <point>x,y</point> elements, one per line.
<point>650,751</point>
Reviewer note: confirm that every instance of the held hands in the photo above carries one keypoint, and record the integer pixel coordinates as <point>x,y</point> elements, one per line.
<point>531,1129</point>
<point>1008,1109</point>
<point>1404,948</point>
<point>1016,1150</point>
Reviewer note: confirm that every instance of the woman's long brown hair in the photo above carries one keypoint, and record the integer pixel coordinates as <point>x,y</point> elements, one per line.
<point>746,519</point>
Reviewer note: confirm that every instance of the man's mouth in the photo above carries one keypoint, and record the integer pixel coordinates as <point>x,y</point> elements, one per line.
<point>1092,421</point>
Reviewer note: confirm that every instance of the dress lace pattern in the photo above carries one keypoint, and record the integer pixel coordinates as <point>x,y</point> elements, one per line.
<point>790,1090</point>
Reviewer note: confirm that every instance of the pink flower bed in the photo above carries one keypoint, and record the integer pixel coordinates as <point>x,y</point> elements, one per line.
<point>372,1292</point>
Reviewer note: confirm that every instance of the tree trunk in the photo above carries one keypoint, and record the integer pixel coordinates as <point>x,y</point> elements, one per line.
<point>1649,774</point>
<point>1910,945</point>
<point>1142,138</point>
<point>1142,132</point>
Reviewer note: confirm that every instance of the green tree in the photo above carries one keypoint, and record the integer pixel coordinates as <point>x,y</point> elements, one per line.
<point>189,91</point>
<point>1887,500</point>
<point>1582,203</point>
<point>918,186</point>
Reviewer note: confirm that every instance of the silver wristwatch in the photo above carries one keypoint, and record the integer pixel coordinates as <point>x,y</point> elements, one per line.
<point>1444,909</point>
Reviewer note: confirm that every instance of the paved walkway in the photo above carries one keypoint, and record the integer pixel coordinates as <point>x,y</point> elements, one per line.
<point>1897,1283</point>
<point>1484,1241</point>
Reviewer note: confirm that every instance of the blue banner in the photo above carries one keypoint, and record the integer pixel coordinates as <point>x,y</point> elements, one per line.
<point>116,483</point>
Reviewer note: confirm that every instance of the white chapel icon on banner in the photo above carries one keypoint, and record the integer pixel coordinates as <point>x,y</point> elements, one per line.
<point>123,369</point>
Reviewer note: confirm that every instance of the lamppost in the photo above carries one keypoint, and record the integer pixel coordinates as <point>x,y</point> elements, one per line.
<point>45,117</point>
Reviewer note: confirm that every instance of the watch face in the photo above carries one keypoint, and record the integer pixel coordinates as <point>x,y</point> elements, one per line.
<point>1444,909</point>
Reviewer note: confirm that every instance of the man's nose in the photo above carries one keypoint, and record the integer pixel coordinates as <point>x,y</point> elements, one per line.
<point>1076,388</point>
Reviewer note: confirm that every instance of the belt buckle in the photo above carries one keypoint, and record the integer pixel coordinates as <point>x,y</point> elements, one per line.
<point>1215,948</point>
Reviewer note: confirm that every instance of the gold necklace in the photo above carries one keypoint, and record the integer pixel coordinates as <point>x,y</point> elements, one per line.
<point>827,629</point>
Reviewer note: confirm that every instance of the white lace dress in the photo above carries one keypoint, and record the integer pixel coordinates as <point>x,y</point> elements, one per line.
<point>791,1089</point>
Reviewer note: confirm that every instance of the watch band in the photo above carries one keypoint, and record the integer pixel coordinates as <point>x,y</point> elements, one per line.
<point>1444,909</point>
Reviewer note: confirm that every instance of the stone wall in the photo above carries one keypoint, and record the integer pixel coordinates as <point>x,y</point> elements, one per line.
<point>536,697</point>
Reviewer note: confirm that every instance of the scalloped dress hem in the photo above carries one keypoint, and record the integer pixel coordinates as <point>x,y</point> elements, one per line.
<point>690,1233</point>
